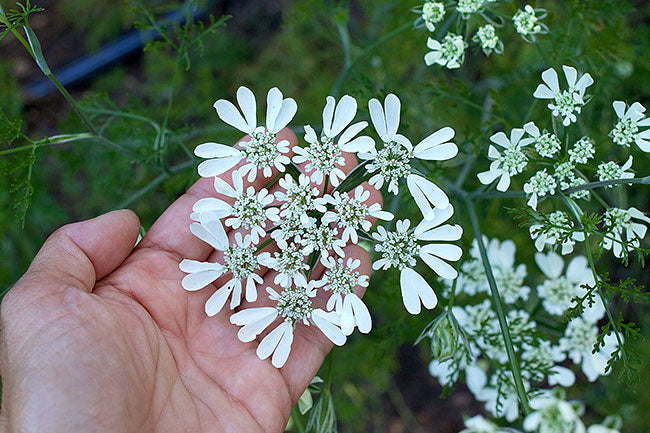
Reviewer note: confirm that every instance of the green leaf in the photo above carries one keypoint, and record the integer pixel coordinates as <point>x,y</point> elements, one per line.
<point>36,49</point>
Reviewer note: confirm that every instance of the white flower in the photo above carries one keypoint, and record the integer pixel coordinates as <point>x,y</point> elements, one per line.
<point>626,130</point>
<point>350,213</point>
<point>527,22</point>
<point>474,318</point>
<point>507,164</point>
<point>501,388</point>
<point>251,209</point>
<point>558,290</point>
<point>239,259</point>
<point>565,103</point>
<point>467,7</point>
<point>323,238</point>
<point>543,358</point>
<point>579,340</point>
<point>261,151</point>
<point>612,171</point>
<point>558,228</point>
<point>552,415</point>
<point>432,13</point>
<point>449,53</point>
<point>471,279</point>
<point>290,229</point>
<point>546,144</point>
<point>582,151</point>
<point>323,157</point>
<point>297,198</point>
<point>340,278</point>
<point>598,428</point>
<point>399,249</point>
<point>540,185</point>
<point>478,424</point>
<point>616,222</point>
<point>393,161</point>
<point>293,306</point>
<point>521,327</point>
<point>290,264</point>
<point>487,37</point>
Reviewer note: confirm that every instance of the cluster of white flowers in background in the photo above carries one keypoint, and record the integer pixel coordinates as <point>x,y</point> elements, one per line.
<point>480,352</point>
<point>561,168</point>
<point>297,225</point>
<point>448,49</point>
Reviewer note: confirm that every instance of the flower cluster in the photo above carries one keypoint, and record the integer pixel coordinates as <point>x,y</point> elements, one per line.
<point>564,170</point>
<point>449,50</point>
<point>283,219</point>
<point>481,354</point>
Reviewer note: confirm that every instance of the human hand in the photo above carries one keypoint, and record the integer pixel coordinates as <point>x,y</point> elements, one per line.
<point>99,336</point>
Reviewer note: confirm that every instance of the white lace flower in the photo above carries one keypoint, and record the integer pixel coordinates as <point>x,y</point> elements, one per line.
<point>558,290</point>
<point>527,22</point>
<point>626,131</point>
<point>471,278</point>
<point>400,249</point>
<point>507,164</point>
<point>487,37</point>
<point>261,151</point>
<point>540,359</point>
<point>323,238</point>
<point>251,209</point>
<point>478,424</point>
<point>432,13</point>
<point>579,340</point>
<point>467,7</point>
<point>565,103</point>
<point>450,52</point>
<point>546,143</point>
<point>557,228</point>
<point>298,198</point>
<point>474,318</point>
<point>617,221</point>
<point>598,428</point>
<point>238,259</point>
<point>289,263</point>
<point>292,306</point>
<point>351,213</point>
<point>290,229</point>
<point>540,184</point>
<point>582,151</point>
<point>552,415</point>
<point>324,155</point>
<point>521,327</point>
<point>612,171</point>
<point>564,173</point>
<point>501,388</point>
<point>340,278</point>
<point>393,162</point>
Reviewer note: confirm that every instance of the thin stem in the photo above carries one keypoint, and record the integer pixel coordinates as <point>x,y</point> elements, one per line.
<point>295,417</point>
<point>369,49</point>
<point>159,146</point>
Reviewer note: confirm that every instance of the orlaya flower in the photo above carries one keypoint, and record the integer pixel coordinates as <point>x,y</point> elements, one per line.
<point>238,259</point>
<point>289,263</point>
<point>293,305</point>
<point>630,119</point>
<point>298,198</point>
<point>579,342</point>
<point>251,209</point>
<point>400,249</point>
<point>565,103</point>
<point>261,151</point>
<point>508,162</point>
<point>623,231</point>
<point>340,278</point>
<point>324,155</point>
<point>392,162</point>
<point>351,213</point>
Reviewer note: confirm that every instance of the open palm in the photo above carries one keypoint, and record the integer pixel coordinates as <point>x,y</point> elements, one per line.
<point>100,337</point>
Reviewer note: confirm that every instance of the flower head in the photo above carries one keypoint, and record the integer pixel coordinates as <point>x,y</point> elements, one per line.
<point>546,143</point>
<point>450,52</point>
<point>557,228</point>
<point>260,151</point>
<point>579,342</point>
<point>487,37</point>
<point>612,171</point>
<point>539,185</point>
<point>508,162</point>
<point>582,151</point>
<point>527,22</point>
<point>626,131</point>
<point>290,264</point>
<point>565,103</point>
<point>552,415</point>
<point>432,13</point>
<point>623,233</point>
<point>298,198</point>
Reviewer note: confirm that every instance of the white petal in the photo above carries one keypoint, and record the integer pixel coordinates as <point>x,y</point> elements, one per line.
<point>426,193</point>
<point>215,150</point>
<point>440,267</point>
<point>392,106</point>
<point>328,115</point>
<point>351,132</point>
<point>549,76</point>
<point>270,342</point>
<point>416,290</point>
<point>323,321</point>
<point>346,109</point>
<point>571,75</point>
<point>550,264</point>
<point>248,105</point>
<point>281,353</point>
<point>435,146</point>
<point>378,119</point>
<point>251,315</point>
<point>273,104</point>
<point>287,112</point>
<point>359,144</point>
<point>229,114</point>
<point>217,300</point>
<point>215,167</point>
<point>198,280</point>
<point>444,251</point>
<point>361,313</point>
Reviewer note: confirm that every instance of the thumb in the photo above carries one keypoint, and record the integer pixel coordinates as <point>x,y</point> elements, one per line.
<point>82,253</point>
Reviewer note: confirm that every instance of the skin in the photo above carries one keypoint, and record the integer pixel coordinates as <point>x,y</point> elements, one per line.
<point>99,336</point>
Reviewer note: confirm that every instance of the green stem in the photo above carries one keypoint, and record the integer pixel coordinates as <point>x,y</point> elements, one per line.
<point>295,417</point>
<point>159,145</point>
<point>369,49</point>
